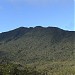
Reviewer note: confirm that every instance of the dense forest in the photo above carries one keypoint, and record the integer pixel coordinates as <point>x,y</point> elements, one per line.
<point>48,68</point>
<point>10,69</point>
<point>37,51</point>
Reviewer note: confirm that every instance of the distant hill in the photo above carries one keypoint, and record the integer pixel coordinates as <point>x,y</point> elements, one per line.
<point>28,45</point>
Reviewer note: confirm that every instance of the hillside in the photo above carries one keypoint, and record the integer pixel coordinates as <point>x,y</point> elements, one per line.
<point>29,45</point>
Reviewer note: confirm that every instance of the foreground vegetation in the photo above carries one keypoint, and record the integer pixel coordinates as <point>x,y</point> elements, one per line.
<point>11,69</point>
<point>39,68</point>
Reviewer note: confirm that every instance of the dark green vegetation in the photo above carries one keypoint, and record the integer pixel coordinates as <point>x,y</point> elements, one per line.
<point>46,68</point>
<point>49,49</point>
<point>10,69</point>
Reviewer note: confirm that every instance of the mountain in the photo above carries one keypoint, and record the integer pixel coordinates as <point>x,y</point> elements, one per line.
<point>29,45</point>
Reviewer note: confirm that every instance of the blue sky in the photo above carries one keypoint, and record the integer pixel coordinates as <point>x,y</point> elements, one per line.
<point>30,13</point>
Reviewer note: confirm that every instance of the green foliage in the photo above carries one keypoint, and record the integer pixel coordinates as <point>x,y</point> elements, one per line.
<point>9,69</point>
<point>48,68</point>
<point>37,45</point>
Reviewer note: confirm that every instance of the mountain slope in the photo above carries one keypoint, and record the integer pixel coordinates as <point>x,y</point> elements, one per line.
<point>29,45</point>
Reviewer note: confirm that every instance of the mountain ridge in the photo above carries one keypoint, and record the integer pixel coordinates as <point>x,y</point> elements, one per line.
<point>36,27</point>
<point>24,29</point>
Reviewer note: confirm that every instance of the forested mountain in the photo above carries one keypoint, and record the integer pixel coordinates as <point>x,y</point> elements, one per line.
<point>27,45</point>
<point>37,51</point>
